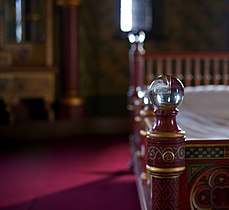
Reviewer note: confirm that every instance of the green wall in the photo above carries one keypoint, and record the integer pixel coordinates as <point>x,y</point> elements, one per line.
<point>197,25</point>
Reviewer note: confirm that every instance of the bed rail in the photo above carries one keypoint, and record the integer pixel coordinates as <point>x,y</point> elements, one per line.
<point>192,68</point>
<point>167,179</point>
<point>171,172</point>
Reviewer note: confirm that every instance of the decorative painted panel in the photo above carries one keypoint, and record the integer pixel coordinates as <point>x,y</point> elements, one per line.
<point>210,189</point>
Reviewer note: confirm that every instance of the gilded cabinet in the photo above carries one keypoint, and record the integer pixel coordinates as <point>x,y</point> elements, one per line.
<point>26,52</point>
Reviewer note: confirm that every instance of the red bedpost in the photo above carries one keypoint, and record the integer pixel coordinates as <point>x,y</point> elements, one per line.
<point>148,119</point>
<point>136,71</point>
<point>166,143</point>
<point>72,102</point>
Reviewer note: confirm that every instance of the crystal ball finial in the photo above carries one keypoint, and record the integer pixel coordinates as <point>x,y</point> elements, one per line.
<point>166,92</point>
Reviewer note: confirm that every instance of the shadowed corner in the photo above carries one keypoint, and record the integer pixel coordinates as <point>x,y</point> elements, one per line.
<point>113,192</point>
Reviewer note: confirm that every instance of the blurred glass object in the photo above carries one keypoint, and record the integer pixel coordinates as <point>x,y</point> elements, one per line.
<point>166,92</point>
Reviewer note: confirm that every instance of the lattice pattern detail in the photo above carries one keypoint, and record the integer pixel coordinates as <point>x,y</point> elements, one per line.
<point>207,152</point>
<point>165,195</point>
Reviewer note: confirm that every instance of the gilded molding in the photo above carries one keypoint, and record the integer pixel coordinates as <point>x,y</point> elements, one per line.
<point>165,172</point>
<point>168,156</point>
<point>165,176</point>
<point>143,133</point>
<point>72,101</point>
<point>166,134</point>
<point>143,176</point>
<point>68,2</point>
<point>167,153</point>
<point>145,113</point>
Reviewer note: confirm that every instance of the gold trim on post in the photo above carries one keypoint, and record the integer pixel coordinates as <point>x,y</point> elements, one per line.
<point>165,172</point>
<point>68,2</point>
<point>168,156</point>
<point>166,134</point>
<point>145,113</point>
<point>72,101</point>
<point>143,133</point>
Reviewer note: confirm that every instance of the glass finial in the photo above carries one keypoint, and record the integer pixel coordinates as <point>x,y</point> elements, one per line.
<point>166,92</point>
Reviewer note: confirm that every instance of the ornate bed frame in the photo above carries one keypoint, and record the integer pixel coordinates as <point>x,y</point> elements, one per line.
<point>173,172</point>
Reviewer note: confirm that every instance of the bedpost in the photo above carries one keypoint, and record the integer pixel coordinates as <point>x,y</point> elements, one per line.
<point>165,143</point>
<point>72,105</point>
<point>147,117</point>
<point>136,59</point>
<point>136,67</point>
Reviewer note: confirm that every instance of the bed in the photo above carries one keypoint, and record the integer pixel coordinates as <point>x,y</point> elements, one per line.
<point>176,169</point>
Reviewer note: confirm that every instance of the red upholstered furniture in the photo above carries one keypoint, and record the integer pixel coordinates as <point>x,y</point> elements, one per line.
<point>178,169</point>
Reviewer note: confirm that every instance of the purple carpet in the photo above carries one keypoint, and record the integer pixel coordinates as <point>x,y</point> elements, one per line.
<point>74,173</point>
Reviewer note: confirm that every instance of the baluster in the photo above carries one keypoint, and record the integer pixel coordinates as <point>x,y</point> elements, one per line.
<point>168,66</point>
<point>216,75</point>
<point>225,71</point>
<point>197,73</point>
<point>178,68</point>
<point>149,71</point>
<point>207,75</point>
<point>188,75</point>
<point>159,68</point>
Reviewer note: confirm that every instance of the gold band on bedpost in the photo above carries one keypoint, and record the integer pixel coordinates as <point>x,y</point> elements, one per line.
<point>163,173</point>
<point>165,143</point>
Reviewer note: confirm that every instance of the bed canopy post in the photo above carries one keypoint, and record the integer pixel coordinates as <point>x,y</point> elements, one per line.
<point>72,104</point>
<point>136,67</point>
<point>165,143</point>
<point>148,119</point>
<point>136,59</point>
